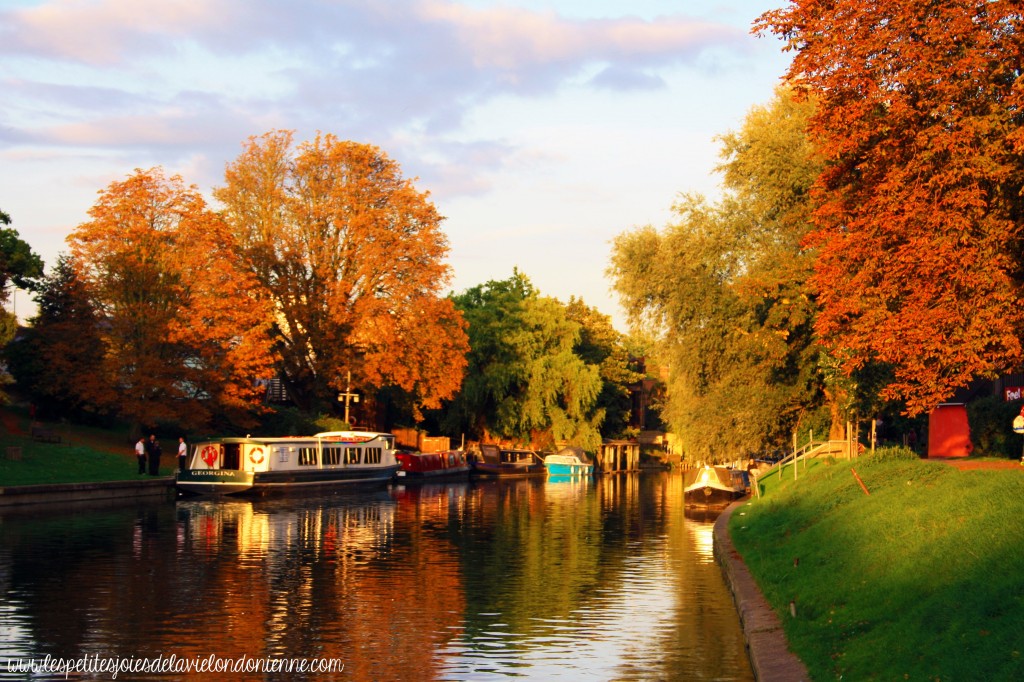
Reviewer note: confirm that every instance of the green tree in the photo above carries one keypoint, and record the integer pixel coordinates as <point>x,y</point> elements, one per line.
<point>724,292</point>
<point>601,345</point>
<point>350,254</point>
<point>524,381</point>
<point>19,266</point>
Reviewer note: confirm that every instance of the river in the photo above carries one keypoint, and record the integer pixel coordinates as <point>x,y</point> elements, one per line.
<point>604,579</point>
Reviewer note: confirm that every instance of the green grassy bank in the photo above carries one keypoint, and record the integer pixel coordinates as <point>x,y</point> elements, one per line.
<point>84,455</point>
<point>923,579</point>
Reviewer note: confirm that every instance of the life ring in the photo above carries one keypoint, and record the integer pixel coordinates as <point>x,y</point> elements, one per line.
<point>256,455</point>
<point>209,455</point>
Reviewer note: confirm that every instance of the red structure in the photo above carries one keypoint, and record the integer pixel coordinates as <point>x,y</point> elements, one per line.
<point>949,434</point>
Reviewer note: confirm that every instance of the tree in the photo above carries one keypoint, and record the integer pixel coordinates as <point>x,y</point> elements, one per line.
<point>602,346</point>
<point>19,266</point>
<point>724,292</point>
<point>55,360</point>
<point>918,212</point>
<point>524,381</point>
<point>350,255</point>
<point>184,338</point>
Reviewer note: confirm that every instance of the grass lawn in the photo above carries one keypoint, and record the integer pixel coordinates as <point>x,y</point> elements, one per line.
<point>923,579</point>
<point>86,454</point>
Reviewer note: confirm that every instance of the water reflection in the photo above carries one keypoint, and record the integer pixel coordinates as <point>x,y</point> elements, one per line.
<point>580,578</point>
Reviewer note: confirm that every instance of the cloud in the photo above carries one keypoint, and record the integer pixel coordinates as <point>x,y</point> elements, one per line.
<point>192,76</point>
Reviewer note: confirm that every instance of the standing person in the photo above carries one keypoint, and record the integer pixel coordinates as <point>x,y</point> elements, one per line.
<point>182,452</point>
<point>140,454</point>
<point>153,450</point>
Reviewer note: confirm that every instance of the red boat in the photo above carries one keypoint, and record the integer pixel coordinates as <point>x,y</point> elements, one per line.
<point>432,465</point>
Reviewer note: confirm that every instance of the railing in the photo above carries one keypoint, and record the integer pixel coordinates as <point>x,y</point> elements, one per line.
<point>830,448</point>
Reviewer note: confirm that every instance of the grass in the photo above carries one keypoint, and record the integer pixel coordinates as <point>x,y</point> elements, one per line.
<point>85,455</point>
<point>923,579</point>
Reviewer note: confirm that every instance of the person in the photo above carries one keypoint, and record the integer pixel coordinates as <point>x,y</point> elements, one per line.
<point>140,454</point>
<point>182,453</point>
<point>153,451</point>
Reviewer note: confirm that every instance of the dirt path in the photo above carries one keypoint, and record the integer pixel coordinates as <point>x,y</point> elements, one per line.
<point>964,464</point>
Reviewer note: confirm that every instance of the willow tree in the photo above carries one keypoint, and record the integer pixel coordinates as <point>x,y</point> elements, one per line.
<point>918,212</point>
<point>351,256</point>
<point>183,339</point>
<point>525,382</point>
<point>724,291</point>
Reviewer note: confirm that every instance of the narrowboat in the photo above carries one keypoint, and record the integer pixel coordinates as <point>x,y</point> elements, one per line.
<point>713,486</point>
<point>449,464</point>
<point>569,462</point>
<point>494,461</point>
<point>226,466</point>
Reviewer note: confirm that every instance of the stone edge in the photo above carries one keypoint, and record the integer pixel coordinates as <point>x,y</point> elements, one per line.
<point>770,657</point>
<point>58,493</point>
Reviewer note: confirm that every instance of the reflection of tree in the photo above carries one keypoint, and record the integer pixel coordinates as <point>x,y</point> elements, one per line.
<point>530,554</point>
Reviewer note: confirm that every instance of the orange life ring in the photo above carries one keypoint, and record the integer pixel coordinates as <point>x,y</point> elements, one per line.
<point>256,455</point>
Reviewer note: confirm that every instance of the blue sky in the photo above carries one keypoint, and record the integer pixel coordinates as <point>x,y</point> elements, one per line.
<point>541,129</point>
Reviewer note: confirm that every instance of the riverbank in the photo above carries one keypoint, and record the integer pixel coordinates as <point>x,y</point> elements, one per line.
<point>155,487</point>
<point>922,578</point>
<point>770,657</point>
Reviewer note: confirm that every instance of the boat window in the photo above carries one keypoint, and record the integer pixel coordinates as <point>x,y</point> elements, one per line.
<point>371,456</point>
<point>332,456</point>
<point>351,455</point>
<point>307,457</point>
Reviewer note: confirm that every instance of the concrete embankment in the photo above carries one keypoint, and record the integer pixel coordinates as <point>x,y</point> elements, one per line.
<point>63,493</point>
<point>770,657</point>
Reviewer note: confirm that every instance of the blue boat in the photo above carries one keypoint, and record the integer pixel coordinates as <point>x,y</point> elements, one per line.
<point>569,462</point>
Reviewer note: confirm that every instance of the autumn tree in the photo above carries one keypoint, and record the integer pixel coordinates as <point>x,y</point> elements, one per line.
<point>55,360</point>
<point>350,254</point>
<point>918,212</point>
<point>524,382</point>
<point>183,335</point>
<point>724,292</point>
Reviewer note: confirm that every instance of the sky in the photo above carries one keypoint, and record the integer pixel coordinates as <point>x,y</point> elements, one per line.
<point>542,129</point>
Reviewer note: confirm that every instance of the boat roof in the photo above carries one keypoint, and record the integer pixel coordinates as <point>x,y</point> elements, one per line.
<point>326,436</point>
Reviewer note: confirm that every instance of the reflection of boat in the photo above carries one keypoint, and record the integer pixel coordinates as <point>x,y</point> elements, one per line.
<point>569,462</point>
<point>713,486</point>
<point>494,461</point>
<point>337,458</point>
<point>434,465</point>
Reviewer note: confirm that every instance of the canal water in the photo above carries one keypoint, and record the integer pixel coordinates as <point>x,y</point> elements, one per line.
<point>535,579</point>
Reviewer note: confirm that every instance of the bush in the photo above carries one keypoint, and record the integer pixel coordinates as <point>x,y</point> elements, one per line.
<point>991,422</point>
<point>894,452</point>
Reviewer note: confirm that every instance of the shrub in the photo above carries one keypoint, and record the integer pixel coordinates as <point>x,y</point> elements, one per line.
<point>991,422</point>
<point>894,452</point>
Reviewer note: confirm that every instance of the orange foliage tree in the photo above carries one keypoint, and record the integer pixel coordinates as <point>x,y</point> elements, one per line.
<point>351,255</point>
<point>918,212</point>
<point>184,338</point>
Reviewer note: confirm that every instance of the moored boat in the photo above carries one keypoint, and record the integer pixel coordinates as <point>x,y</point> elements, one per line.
<point>713,486</point>
<point>226,466</point>
<point>432,465</point>
<point>494,461</point>
<point>569,462</point>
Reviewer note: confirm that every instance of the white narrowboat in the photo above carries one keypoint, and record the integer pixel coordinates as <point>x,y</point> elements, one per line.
<point>225,466</point>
